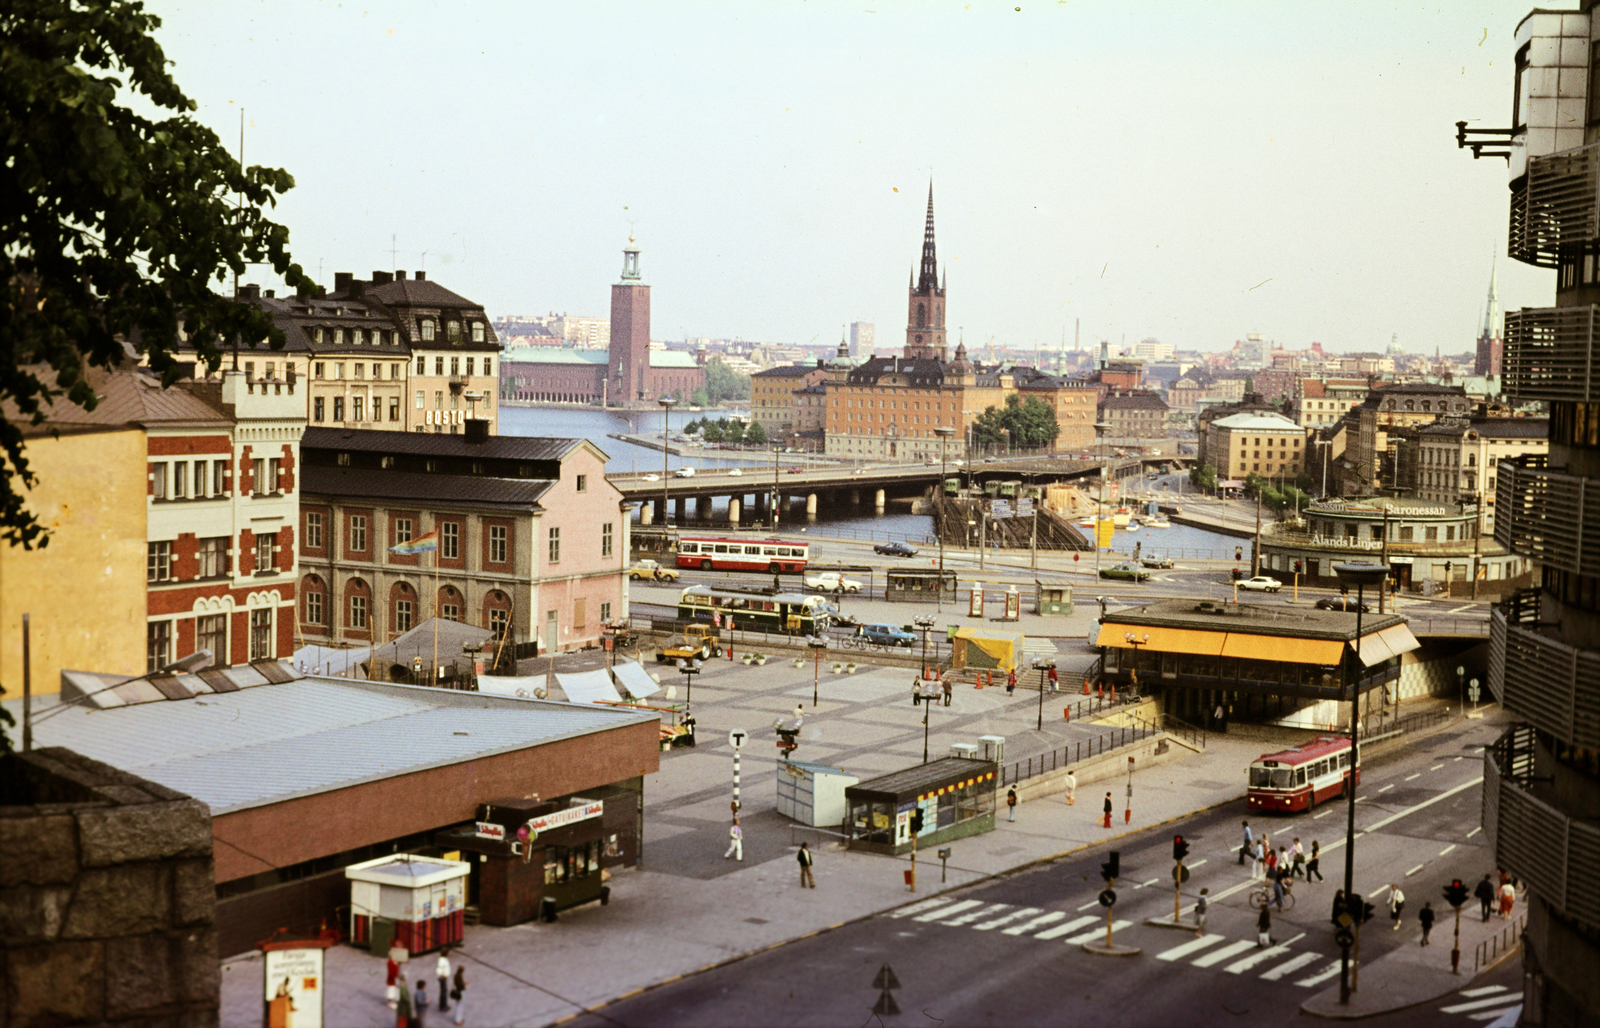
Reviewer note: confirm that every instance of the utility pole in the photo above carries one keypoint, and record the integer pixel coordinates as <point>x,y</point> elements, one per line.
<point>1255,554</point>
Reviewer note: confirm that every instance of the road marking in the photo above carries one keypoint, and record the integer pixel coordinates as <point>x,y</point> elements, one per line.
<point>1507,1016</point>
<point>1475,831</point>
<point>1453,759</point>
<point>997,922</point>
<point>1270,953</point>
<point>1233,949</point>
<point>1320,977</point>
<point>1079,940</point>
<point>1469,783</point>
<point>1197,863</point>
<point>1414,870</point>
<point>1447,849</point>
<point>1149,883</point>
<point>1076,924</point>
<point>951,909</point>
<point>973,915</point>
<point>1192,946</point>
<point>1417,775</point>
<point>1028,926</point>
<point>1477,1004</point>
<point>1086,906</point>
<point>1290,966</point>
<point>1361,799</point>
<point>919,907</point>
<point>1319,817</point>
<point>1458,610</point>
<point>1386,788</point>
<point>1486,990</point>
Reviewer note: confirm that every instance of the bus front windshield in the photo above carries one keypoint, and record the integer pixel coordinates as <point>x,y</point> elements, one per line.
<point>1271,778</point>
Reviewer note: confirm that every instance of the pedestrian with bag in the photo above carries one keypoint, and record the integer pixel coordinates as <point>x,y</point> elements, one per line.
<point>1249,847</point>
<point>1485,894</point>
<point>808,880</point>
<point>442,969</point>
<point>1072,788</point>
<point>1011,804</point>
<point>393,975</point>
<point>1108,810</point>
<point>1397,902</point>
<point>1264,928</point>
<point>1201,907</point>
<point>735,842</point>
<point>1425,915</point>
<point>1298,855</point>
<point>459,993</point>
<point>1314,865</point>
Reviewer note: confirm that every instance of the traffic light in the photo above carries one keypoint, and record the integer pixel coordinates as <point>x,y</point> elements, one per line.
<point>1109,868</point>
<point>916,820</point>
<point>1180,849</point>
<point>1366,912</point>
<point>1299,567</point>
<point>1455,892</point>
<point>1340,907</point>
<point>1352,906</point>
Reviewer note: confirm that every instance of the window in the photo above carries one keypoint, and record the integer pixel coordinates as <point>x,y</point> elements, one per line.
<point>338,369</point>
<point>497,544</point>
<point>1431,535</point>
<point>158,562</point>
<point>219,470</point>
<point>453,331</point>
<point>377,408</point>
<point>211,633</point>
<point>582,483</point>
<point>180,480</point>
<point>338,337</point>
<point>455,364</point>
<point>469,365</point>
<point>402,615</point>
<point>477,336</point>
<point>438,365</point>
<point>261,633</point>
<point>394,371</point>
<point>605,611</point>
<point>555,545</point>
<point>422,366</point>
<point>258,476</point>
<point>605,539</point>
<point>313,607</point>
<point>200,479</point>
<point>498,620</point>
<point>1406,533</point>
<point>319,370</point>
<point>402,530</point>
<point>316,408</point>
<point>427,330</point>
<point>266,542</point>
<point>422,399</point>
<point>358,612</point>
<point>272,474</point>
<point>158,645</point>
<point>360,370</point>
<point>213,557</point>
<point>158,481</point>
<point>357,407</point>
<point>358,533</point>
<point>338,408</point>
<point>450,611</point>
<point>438,399</point>
<point>394,407</point>
<point>450,540</point>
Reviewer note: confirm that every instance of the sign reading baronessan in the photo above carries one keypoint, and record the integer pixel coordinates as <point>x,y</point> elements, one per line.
<point>568,816</point>
<point>489,831</point>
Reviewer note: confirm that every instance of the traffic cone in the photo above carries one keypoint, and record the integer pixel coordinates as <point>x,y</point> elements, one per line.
<point>1086,687</point>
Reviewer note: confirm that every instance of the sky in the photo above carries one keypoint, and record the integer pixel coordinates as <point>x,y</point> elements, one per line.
<point>1188,171</point>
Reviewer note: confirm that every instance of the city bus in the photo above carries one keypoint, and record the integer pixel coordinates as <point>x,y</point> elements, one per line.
<point>755,609</point>
<point>1300,778</point>
<point>711,553</point>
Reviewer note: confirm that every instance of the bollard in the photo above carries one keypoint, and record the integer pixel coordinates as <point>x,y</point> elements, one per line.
<point>1066,713</point>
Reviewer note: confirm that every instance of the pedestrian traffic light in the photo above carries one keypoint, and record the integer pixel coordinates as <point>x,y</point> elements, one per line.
<point>916,820</point>
<point>1455,892</point>
<point>1180,849</point>
<point>1352,906</point>
<point>1110,867</point>
<point>1340,908</point>
<point>1366,912</point>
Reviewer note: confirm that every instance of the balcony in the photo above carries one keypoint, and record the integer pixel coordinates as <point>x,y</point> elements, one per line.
<point>1553,208</point>
<point>1553,686</point>
<point>1550,353</point>
<point>1555,854</point>
<point>1547,515</point>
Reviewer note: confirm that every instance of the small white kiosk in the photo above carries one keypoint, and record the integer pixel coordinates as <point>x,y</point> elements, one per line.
<point>813,794</point>
<point>418,902</point>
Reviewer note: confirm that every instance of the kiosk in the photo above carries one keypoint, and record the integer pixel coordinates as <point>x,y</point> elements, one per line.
<point>918,585</point>
<point>422,898</point>
<point>956,794</point>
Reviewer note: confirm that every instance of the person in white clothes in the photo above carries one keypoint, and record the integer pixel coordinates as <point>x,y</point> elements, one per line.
<point>442,968</point>
<point>735,842</point>
<point>1072,788</point>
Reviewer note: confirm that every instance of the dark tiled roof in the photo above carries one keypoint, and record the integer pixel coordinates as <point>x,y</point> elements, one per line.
<point>410,292</point>
<point>429,444</point>
<point>1137,401</point>
<point>788,371</point>
<point>915,367</point>
<point>421,488</point>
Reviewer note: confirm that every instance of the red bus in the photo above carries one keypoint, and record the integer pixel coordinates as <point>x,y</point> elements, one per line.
<point>711,553</point>
<point>1300,778</point>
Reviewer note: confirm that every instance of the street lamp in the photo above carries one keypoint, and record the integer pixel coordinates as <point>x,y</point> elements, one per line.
<point>667,403</point>
<point>818,643</point>
<point>944,432</point>
<point>1327,443</point>
<point>1360,575</point>
<point>1461,686</point>
<point>1100,429</point>
<point>689,668</point>
<point>1043,664</point>
<point>924,624</point>
<point>1135,642</point>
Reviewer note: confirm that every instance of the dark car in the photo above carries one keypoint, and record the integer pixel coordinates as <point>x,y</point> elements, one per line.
<point>1344,603</point>
<point>895,549</point>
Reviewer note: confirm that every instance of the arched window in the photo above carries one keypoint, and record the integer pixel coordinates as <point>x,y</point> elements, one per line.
<point>496,611</point>
<point>357,605</point>
<point>313,602</point>
<point>402,608</point>
<point>922,315</point>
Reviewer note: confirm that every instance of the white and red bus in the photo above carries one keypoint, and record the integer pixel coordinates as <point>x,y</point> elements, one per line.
<point>711,553</point>
<point>1300,778</point>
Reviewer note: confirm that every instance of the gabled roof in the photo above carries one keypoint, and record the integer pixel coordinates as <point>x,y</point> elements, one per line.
<point>875,368</point>
<point>128,397</point>
<point>410,292</point>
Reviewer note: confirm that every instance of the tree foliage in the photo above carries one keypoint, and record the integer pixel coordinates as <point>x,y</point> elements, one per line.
<point>115,225</point>
<point>755,435</point>
<point>1203,477</point>
<point>722,383</point>
<point>1026,424</point>
<point>1278,498</point>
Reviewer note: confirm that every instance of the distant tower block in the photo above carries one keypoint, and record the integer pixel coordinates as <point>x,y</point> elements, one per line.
<point>861,333</point>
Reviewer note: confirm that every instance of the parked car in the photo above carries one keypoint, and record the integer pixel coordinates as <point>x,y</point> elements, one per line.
<point>652,570</point>
<point>930,462</point>
<point>1127,569</point>
<point>831,582</point>
<point>1261,584</point>
<point>1157,562</point>
<point>988,460</point>
<point>895,549</point>
<point>1344,603</point>
<point>887,635</point>
<point>796,470</point>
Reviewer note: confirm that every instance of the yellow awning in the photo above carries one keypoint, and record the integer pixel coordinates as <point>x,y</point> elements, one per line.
<point>1163,640</point>
<point>1274,647</point>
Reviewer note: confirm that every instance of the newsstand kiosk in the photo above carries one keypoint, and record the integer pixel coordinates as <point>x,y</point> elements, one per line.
<point>533,858</point>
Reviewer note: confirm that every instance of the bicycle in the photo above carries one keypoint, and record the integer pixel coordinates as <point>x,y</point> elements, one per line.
<point>1263,897</point>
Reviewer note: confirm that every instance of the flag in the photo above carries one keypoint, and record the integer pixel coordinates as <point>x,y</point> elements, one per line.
<point>421,544</point>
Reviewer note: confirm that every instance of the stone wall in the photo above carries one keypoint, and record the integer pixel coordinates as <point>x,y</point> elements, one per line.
<point>107,900</point>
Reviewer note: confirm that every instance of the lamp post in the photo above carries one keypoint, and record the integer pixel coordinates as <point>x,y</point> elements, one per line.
<point>944,432</point>
<point>1461,686</point>
<point>1044,664</point>
<point>1361,575</point>
<point>1135,642</point>
<point>667,403</point>
<point>776,449</point>
<point>818,643</point>
<point>1100,428</point>
<point>689,668</point>
<point>924,624</point>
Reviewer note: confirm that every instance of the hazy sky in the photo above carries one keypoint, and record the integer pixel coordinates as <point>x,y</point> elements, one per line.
<point>1191,171</point>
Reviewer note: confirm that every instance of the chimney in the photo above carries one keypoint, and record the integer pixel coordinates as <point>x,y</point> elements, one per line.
<point>249,291</point>
<point>381,278</point>
<point>358,289</point>
<point>477,431</point>
<point>341,281</point>
<point>421,276</point>
<point>270,293</point>
<point>399,276</point>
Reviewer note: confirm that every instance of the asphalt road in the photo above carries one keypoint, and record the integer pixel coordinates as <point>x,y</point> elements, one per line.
<point>1008,951</point>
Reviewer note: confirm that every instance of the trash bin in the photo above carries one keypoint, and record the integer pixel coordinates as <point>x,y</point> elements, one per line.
<point>381,935</point>
<point>547,910</point>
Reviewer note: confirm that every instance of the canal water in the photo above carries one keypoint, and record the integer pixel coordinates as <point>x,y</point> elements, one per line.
<point>840,520</point>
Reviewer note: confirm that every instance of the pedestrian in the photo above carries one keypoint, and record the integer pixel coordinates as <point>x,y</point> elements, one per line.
<point>1508,899</point>
<point>1072,788</point>
<point>1397,902</point>
<point>442,969</point>
<point>419,1004</point>
<point>1011,683</point>
<point>735,842</point>
<point>1108,810</point>
<point>799,712</point>
<point>1258,861</point>
<point>1011,804</point>
<point>1264,927</point>
<point>948,687</point>
<point>1054,681</point>
<point>393,976</point>
<point>402,1006</point>
<point>808,880</point>
<point>1298,855</point>
<point>1249,847</point>
<point>1277,891</point>
<point>1201,905</point>
<point>1425,915</point>
<point>1485,894</point>
<point>1314,865</point>
<point>1282,866</point>
<point>1271,861</point>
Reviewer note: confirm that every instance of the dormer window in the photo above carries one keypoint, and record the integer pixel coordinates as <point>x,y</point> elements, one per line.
<point>453,331</point>
<point>427,330</point>
<point>477,331</point>
<point>316,335</point>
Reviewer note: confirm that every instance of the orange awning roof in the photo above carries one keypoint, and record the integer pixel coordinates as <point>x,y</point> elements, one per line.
<point>1276,647</point>
<point>1163,640</point>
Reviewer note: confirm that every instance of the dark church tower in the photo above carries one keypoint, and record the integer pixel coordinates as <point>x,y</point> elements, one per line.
<point>925,320</point>
<point>629,364</point>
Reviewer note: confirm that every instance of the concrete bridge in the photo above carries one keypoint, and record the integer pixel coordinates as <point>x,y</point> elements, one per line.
<point>830,486</point>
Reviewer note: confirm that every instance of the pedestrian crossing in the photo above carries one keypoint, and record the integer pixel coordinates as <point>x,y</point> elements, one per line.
<point>1492,1005</point>
<point>1230,956</point>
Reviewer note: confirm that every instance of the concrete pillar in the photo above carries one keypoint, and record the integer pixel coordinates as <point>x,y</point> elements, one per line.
<point>811,505</point>
<point>878,499</point>
<point>733,509</point>
<point>855,497</point>
<point>644,513</point>
<point>679,506</point>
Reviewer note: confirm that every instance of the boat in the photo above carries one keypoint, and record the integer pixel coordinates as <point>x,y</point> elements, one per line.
<point>1157,521</point>
<point>1132,525</point>
<point>1087,522</point>
<point>1121,516</point>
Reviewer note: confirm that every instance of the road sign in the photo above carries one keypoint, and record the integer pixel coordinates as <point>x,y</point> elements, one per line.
<point>1176,868</point>
<point>1344,937</point>
<point>1108,897</point>
<point>1473,691</point>
<point>737,737</point>
<point>886,978</point>
<point>1024,508</point>
<point>1000,509</point>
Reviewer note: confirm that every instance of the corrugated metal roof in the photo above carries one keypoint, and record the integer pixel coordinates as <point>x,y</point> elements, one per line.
<point>259,746</point>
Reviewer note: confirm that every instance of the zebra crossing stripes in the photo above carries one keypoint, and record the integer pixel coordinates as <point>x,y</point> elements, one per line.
<point>944,912</point>
<point>1195,946</point>
<point>1037,922</point>
<point>1321,976</point>
<point>972,915</point>
<point>1489,1003</point>
<point>1289,966</point>
<point>1217,956</point>
<point>1258,957</point>
<point>1098,932</point>
<point>1077,924</point>
<point>920,906</point>
<point>1003,918</point>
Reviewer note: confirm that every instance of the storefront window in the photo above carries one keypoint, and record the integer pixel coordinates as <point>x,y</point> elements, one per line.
<point>570,863</point>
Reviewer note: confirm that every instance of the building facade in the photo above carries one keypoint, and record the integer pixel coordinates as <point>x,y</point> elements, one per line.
<point>1269,445</point>
<point>861,338</point>
<point>1134,414</point>
<point>1457,460</point>
<point>774,396</point>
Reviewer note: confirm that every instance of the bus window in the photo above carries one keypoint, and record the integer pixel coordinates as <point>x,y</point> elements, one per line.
<point>769,551</point>
<point>754,551</point>
<point>1282,778</point>
<point>722,548</point>
<point>1300,776</point>
<point>689,548</point>
<point>1258,778</point>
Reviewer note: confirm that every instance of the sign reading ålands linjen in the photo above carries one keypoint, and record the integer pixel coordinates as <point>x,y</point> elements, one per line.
<point>569,816</point>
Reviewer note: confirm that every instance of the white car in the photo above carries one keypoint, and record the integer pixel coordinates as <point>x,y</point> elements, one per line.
<point>736,472</point>
<point>684,473</point>
<point>1261,584</point>
<point>832,582</point>
<point>652,477</point>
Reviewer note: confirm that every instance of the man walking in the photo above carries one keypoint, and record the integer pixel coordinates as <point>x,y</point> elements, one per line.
<point>1297,855</point>
<point>1054,681</point>
<point>1277,891</point>
<point>807,879</point>
<point>1485,894</point>
<point>419,1004</point>
<point>441,968</point>
<point>1248,850</point>
<point>1011,804</point>
<point>735,842</point>
<point>1397,902</point>
<point>1201,906</point>
<point>1108,810</point>
<point>1072,788</point>
<point>1425,915</point>
<point>1314,865</point>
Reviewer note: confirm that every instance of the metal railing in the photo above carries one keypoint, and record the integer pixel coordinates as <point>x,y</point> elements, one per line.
<point>1552,517</point>
<point>1506,940</point>
<point>1074,753</point>
<point>1193,735</point>
<point>1550,353</point>
<point>1449,626</point>
<point>1378,728</point>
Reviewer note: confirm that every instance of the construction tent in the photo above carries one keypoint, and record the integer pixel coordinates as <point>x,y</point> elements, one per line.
<point>987,648</point>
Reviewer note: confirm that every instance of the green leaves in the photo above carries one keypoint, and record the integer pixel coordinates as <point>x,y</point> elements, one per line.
<point>1025,424</point>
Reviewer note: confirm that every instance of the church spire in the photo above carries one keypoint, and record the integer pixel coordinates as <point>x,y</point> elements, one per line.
<point>1491,313</point>
<point>929,279</point>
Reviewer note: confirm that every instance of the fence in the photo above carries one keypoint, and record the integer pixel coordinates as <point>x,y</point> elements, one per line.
<point>1385,728</point>
<point>1506,940</point>
<point>1450,626</point>
<point>1074,753</point>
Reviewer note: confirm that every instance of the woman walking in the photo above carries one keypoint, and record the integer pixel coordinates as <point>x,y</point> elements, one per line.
<point>1508,900</point>
<point>1258,866</point>
<point>459,993</point>
<point>1264,928</point>
<point>1397,903</point>
<point>1314,865</point>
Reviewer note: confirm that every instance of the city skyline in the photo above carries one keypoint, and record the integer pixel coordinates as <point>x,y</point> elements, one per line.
<point>774,163</point>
